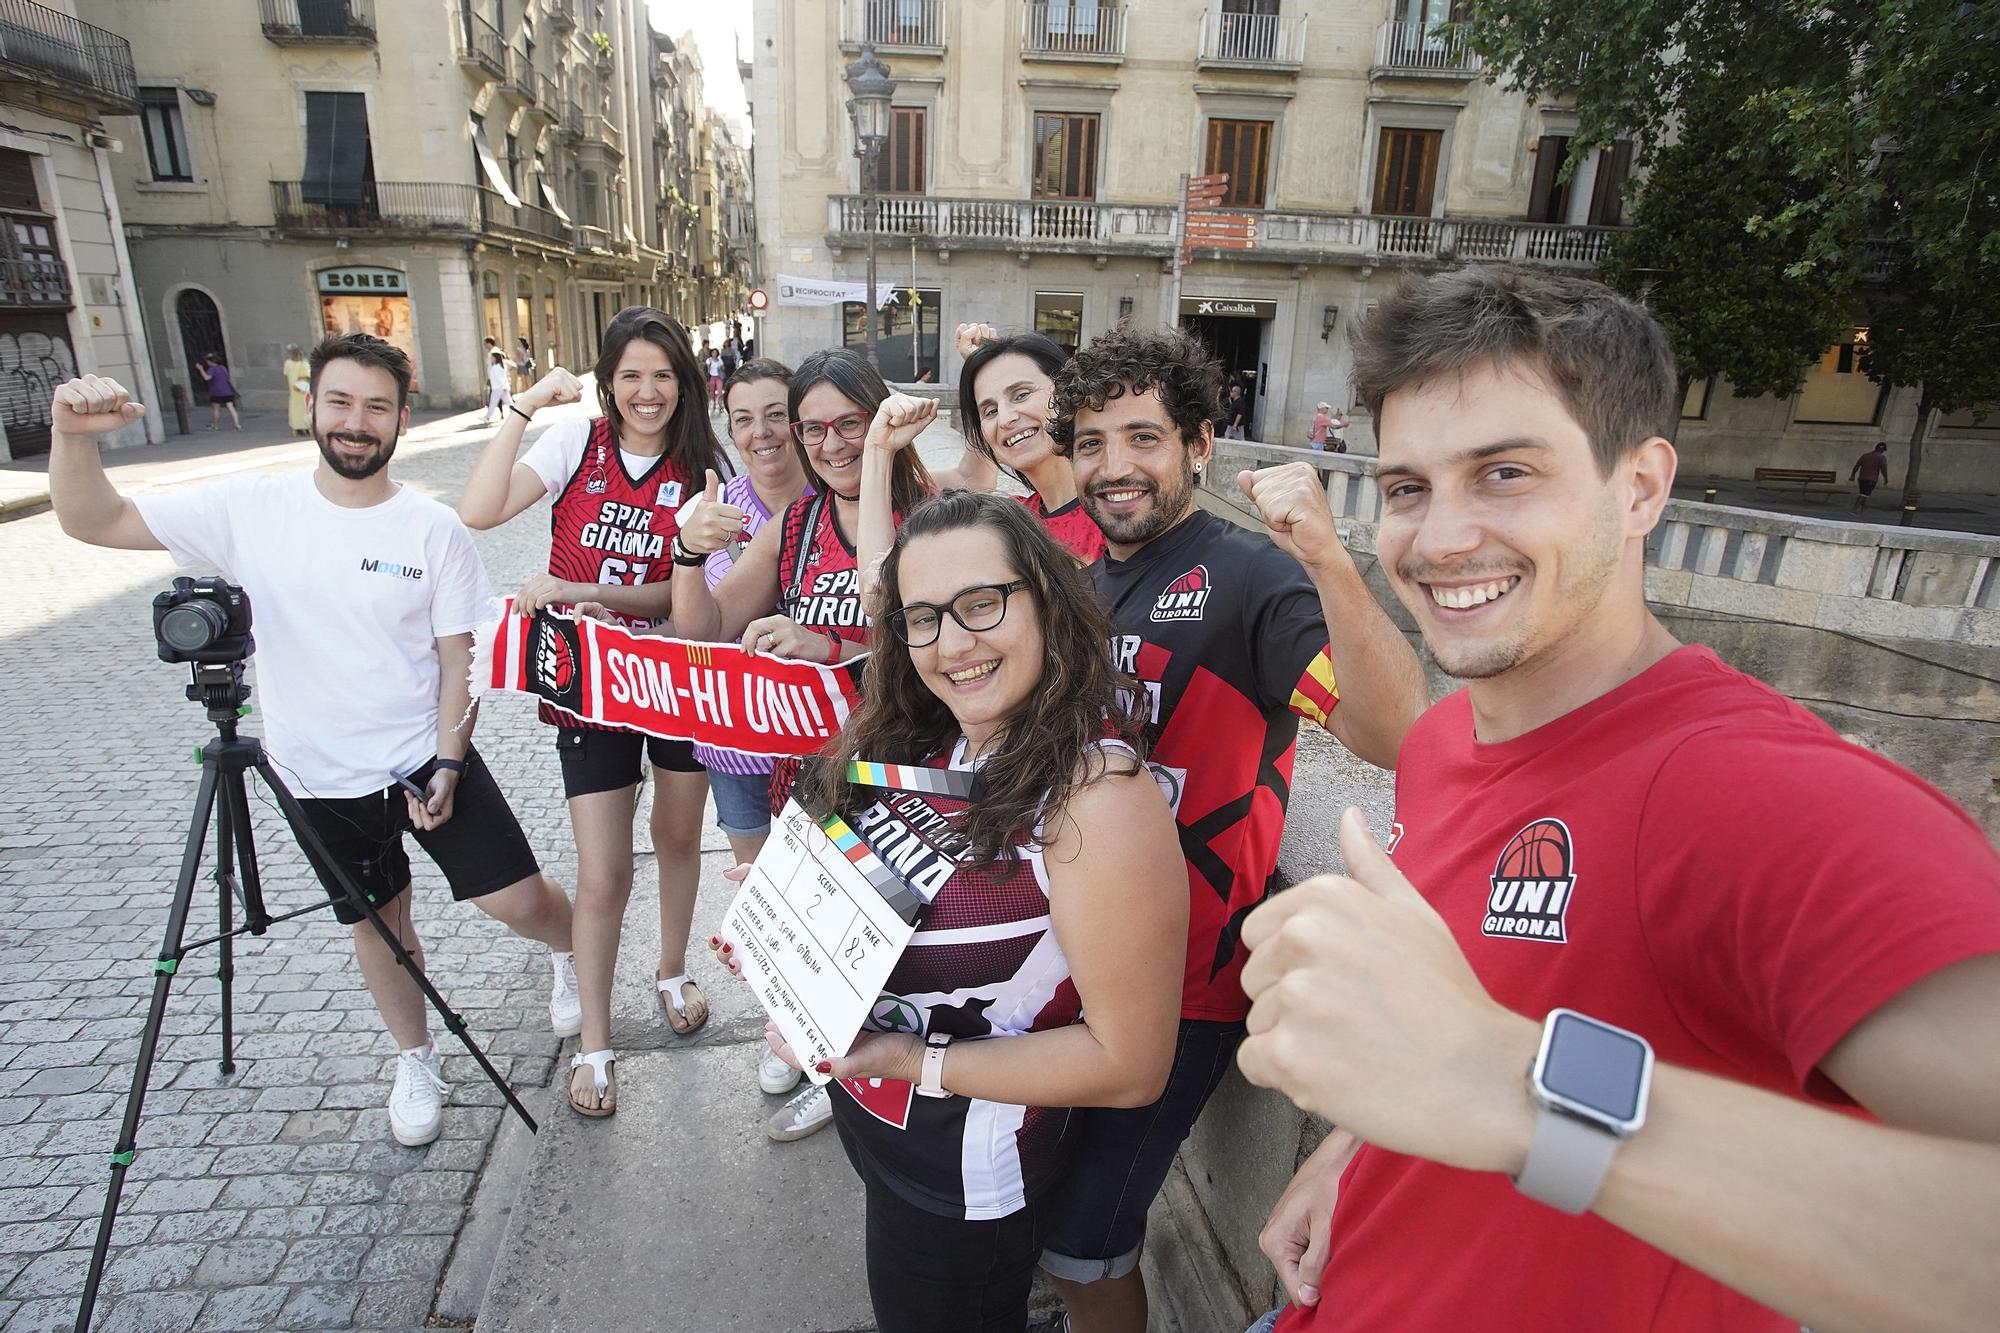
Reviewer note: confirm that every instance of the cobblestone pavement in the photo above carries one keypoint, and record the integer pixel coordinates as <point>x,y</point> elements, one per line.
<point>274,1198</point>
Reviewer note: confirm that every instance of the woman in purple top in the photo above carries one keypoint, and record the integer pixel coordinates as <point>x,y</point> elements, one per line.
<point>760,428</point>
<point>221,393</point>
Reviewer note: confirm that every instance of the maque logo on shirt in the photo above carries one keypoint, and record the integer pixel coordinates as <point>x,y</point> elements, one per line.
<point>391,568</point>
<point>1531,885</point>
<point>1184,597</point>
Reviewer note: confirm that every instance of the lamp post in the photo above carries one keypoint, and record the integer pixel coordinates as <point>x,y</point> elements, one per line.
<point>869,89</point>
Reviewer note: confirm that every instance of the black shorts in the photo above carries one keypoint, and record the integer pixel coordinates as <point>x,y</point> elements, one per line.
<point>1097,1210</point>
<point>1867,487</point>
<point>480,849</point>
<point>595,760</point>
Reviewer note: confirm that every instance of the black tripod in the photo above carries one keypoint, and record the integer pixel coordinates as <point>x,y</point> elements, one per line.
<point>223,763</point>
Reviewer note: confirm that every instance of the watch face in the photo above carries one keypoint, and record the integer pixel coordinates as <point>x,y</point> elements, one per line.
<point>1595,1070</point>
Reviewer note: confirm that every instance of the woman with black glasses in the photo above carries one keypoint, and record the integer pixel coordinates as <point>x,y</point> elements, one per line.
<point>1043,976</point>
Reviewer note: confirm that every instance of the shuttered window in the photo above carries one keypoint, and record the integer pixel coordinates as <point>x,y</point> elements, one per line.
<point>340,163</point>
<point>1240,149</point>
<point>1406,172</point>
<point>1065,156</point>
<point>903,162</point>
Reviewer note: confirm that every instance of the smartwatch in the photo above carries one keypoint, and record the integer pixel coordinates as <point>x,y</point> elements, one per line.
<point>451,765</point>
<point>1590,1082</point>
<point>931,1083</point>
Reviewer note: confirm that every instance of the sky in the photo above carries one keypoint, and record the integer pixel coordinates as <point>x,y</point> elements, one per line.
<point>721,28</point>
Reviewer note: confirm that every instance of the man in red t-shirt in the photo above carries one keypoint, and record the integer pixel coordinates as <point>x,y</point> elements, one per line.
<point>1611,849</point>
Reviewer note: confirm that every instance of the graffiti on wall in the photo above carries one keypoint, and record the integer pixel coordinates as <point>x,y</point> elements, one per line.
<point>33,361</point>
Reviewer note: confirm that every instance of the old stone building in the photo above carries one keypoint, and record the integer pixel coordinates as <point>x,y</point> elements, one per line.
<point>1035,161</point>
<point>68,303</point>
<point>434,171</point>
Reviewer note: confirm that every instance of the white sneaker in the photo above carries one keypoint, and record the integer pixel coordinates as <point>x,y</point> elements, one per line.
<point>774,1075</point>
<point>565,1005</point>
<point>416,1104</point>
<point>810,1111</point>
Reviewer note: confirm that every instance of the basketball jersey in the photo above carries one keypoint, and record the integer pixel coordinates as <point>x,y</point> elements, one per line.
<point>1225,633</point>
<point>1072,526</point>
<point>608,526</point>
<point>984,963</point>
<point>819,586</point>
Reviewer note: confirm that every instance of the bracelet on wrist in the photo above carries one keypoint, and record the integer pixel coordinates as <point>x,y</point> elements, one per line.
<point>683,556</point>
<point>450,765</point>
<point>832,646</point>
<point>525,416</point>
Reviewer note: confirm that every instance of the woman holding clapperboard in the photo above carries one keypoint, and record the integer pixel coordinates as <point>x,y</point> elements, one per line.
<point>803,566</point>
<point>1042,977</point>
<point>616,481</point>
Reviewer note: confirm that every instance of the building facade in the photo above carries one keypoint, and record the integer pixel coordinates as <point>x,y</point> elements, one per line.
<point>68,302</point>
<point>1034,175</point>
<point>436,172</point>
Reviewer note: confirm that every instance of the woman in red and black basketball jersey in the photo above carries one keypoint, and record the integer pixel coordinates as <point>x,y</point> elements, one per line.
<point>617,480</point>
<point>1004,407</point>
<point>1056,913</point>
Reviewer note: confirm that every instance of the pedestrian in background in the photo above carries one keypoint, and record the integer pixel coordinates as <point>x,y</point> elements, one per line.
<point>298,383</point>
<point>1322,425</point>
<point>1235,413</point>
<point>221,392</point>
<point>712,367</point>
<point>498,397</point>
<point>1869,470</point>
<point>524,365</point>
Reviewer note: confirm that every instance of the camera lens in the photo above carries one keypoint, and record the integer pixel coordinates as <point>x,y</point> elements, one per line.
<point>193,626</point>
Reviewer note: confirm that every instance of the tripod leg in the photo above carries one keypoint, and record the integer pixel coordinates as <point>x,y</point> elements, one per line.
<point>308,837</point>
<point>225,906</point>
<point>164,968</point>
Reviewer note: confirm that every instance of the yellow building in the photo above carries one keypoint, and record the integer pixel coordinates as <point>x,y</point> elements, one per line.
<point>437,172</point>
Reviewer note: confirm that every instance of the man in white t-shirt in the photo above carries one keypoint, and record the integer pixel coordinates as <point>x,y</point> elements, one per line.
<point>365,596</point>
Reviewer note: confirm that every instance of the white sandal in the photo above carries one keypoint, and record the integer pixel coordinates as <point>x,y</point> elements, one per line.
<point>670,994</point>
<point>599,1062</point>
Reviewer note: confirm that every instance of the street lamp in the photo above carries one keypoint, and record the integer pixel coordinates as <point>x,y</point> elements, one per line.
<point>869,89</point>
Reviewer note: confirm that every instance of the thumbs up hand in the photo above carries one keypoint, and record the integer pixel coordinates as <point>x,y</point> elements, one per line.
<point>1366,1012</point>
<point>712,525</point>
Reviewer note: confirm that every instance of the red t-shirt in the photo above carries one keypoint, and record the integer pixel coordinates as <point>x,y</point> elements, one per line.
<point>1691,856</point>
<point>1072,526</point>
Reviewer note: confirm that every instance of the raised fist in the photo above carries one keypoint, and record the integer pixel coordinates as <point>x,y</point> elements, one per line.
<point>91,405</point>
<point>551,390</point>
<point>899,421</point>
<point>968,337</point>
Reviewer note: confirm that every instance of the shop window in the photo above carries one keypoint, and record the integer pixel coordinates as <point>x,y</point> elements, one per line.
<point>489,302</point>
<point>1059,317</point>
<point>1836,392</point>
<point>1241,150</point>
<point>906,339</point>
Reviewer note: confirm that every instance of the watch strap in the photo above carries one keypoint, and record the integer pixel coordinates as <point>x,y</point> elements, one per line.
<point>454,765</point>
<point>1567,1161</point>
<point>931,1082</point>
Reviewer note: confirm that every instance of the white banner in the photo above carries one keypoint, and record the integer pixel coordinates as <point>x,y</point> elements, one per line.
<point>831,291</point>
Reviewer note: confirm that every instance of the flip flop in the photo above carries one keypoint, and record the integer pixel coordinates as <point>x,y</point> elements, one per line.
<point>676,1007</point>
<point>599,1062</point>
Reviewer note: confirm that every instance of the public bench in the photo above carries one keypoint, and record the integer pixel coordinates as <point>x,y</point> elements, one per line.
<point>1805,478</point>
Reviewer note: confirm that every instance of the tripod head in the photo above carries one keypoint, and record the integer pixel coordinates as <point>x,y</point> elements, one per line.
<point>219,687</point>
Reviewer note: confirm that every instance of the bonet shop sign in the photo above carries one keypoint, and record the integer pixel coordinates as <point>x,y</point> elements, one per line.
<point>376,281</point>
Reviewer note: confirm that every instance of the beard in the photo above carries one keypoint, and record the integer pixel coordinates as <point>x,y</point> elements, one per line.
<point>1170,505</point>
<point>354,471</point>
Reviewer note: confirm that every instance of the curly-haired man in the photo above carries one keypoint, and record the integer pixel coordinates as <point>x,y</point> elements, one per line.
<point>1230,635</point>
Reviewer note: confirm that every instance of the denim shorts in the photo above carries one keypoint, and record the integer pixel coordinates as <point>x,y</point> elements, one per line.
<point>1097,1210</point>
<point>1267,1323</point>
<point>742,803</point>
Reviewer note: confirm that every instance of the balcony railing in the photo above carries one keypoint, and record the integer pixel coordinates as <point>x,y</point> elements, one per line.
<point>572,117</point>
<point>409,208</point>
<point>33,283</point>
<point>318,22</point>
<point>481,45</point>
<point>561,14</point>
<point>1088,228</point>
<point>1438,50</point>
<point>1005,223</point>
<point>1083,29</point>
<point>46,47</point>
<point>603,129</point>
<point>1267,41</point>
<point>520,80</point>
<point>899,25</point>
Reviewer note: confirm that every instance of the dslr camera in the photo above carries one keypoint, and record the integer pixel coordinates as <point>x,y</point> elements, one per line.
<point>204,621</point>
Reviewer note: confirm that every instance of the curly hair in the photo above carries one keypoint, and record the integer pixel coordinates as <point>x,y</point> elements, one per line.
<point>1176,366</point>
<point>1046,752</point>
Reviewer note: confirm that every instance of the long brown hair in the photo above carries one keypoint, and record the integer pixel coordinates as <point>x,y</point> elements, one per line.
<point>691,443</point>
<point>848,371</point>
<point>1046,752</point>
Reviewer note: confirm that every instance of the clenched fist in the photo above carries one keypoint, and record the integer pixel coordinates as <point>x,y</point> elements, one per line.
<point>1292,502</point>
<point>551,390</point>
<point>92,405</point>
<point>899,421</point>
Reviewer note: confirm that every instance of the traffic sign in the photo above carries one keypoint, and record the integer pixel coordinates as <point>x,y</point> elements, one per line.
<point>759,299</point>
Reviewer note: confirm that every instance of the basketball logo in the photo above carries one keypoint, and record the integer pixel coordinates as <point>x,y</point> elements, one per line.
<point>1184,597</point>
<point>555,660</point>
<point>1532,883</point>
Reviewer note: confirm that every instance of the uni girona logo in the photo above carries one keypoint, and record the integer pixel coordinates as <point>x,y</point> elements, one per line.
<point>1532,883</point>
<point>1184,597</point>
<point>555,661</point>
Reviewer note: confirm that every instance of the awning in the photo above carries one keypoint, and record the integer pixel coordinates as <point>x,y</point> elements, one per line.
<point>496,179</point>
<point>551,198</point>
